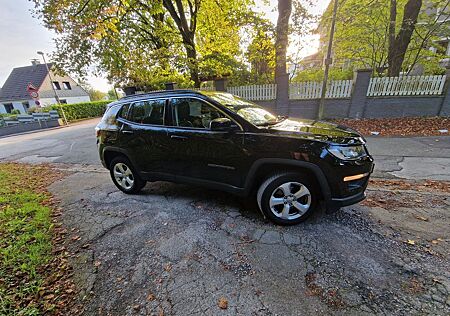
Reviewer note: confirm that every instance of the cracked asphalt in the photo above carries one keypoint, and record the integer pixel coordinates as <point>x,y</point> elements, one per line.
<point>178,250</point>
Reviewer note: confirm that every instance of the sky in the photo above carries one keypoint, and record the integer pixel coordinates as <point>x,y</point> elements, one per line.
<point>22,35</point>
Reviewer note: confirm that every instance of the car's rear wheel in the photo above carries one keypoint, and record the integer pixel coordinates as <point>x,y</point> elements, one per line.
<point>125,176</point>
<point>287,198</point>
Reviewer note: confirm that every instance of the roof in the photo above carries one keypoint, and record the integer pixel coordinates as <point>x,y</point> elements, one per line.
<point>15,87</point>
<point>161,92</point>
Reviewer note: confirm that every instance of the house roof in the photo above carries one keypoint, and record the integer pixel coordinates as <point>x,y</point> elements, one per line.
<point>15,87</point>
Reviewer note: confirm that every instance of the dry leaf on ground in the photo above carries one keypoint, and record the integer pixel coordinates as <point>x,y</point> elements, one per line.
<point>223,303</point>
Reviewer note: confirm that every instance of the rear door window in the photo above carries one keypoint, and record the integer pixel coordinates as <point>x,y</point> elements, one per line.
<point>149,112</point>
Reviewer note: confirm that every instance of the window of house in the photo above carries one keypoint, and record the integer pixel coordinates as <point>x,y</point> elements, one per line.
<point>26,105</point>
<point>63,101</point>
<point>194,113</point>
<point>148,112</point>
<point>56,85</point>
<point>66,85</point>
<point>8,107</point>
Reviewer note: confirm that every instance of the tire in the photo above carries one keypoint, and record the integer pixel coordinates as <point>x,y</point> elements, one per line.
<point>293,196</point>
<point>121,168</point>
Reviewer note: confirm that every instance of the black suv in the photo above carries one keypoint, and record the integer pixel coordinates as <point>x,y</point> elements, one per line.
<point>221,141</point>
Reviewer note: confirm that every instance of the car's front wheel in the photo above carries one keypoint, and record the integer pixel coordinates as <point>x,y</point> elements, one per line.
<point>287,198</point>
<point>124,176</point>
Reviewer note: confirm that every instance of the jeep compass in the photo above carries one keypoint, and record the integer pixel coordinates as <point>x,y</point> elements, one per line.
<point>221,141</point>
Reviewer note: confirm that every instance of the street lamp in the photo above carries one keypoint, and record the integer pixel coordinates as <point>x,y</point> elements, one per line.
<point>53,87</point>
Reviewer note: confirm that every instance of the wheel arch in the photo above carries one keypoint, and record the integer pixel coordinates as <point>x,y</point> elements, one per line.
<point>109,153</point>
<point>266,166</point>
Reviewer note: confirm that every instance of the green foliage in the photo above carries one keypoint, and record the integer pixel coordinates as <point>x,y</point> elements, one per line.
<point>96,95</point>
<point>112,95</point>
<point>261,54</point>
<point>15,111</point>
<point>25,244</point>
<point>316,74</point>
<point>140,43</point>
<point>362,35</point>
<point>8,116</point>
<point>78,111</point>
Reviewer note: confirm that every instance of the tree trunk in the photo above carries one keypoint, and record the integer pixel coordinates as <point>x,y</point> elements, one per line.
<point>187,31</point>
<point>281,42</point>
<point>392,30</point>
<point>398,50</point>
<point>191,54</point>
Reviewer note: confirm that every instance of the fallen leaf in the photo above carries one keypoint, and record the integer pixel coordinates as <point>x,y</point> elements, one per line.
<point>168,267</point>
<point>410,242</point>
<point>422,218</point>
<point>223,303</point>
<point>150,297</point>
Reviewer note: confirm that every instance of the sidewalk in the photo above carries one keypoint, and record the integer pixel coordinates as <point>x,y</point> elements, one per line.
<point>411,157</point>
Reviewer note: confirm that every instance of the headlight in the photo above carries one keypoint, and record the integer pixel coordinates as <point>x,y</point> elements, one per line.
<point>347,152</point>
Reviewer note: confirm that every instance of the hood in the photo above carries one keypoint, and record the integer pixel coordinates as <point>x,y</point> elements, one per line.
<point>317,130</point>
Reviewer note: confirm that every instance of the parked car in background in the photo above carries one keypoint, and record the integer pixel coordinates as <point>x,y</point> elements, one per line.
<point>223,142</point>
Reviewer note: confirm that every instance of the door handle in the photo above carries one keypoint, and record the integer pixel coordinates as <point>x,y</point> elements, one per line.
<point>178,137</point>
<point>127,132</point>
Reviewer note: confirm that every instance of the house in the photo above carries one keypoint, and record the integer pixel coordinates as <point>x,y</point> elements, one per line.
<point>14,93</point>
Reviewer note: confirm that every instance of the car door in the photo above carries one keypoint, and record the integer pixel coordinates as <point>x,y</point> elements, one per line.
<point>144,135</point>
<point>196,151</point>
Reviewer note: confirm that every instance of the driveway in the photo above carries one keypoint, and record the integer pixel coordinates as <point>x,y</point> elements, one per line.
<point>184,250</point>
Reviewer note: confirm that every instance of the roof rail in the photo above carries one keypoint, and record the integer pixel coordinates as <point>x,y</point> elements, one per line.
<point>159,92</point>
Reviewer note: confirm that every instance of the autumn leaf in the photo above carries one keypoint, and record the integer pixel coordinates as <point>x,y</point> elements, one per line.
<point>223,303</point>
<point>410,242</point>
<point>422,218</point>
<point>151,297</point>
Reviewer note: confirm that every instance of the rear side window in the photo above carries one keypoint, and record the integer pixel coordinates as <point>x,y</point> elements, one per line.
<point>110,115</point>
<point>124,111</point>
<point>149,112</point>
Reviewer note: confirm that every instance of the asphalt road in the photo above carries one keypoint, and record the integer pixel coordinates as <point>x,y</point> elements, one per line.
<point>179,250</point>
<point>403,157</point>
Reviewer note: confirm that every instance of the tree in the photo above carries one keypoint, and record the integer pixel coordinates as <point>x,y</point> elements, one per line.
<point>376,34</point>
<point>281,39</point>
<point>398,43</point>
<point>112,94</point>
<point>261,53</point>
<point>96,95</point>
<point>138,42</point>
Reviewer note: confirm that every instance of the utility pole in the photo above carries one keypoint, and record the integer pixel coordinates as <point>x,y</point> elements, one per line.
<point>328,61</point>
<point>53,87</point>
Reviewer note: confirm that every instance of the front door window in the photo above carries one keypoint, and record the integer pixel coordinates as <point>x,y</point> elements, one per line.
<point>194,113</point>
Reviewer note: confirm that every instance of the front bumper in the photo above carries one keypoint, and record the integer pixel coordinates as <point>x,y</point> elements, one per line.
<point>357,188</point>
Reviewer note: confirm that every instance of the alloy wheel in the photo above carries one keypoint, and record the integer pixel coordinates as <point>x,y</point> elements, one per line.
<point>123,175</point>
<point>290,200</point>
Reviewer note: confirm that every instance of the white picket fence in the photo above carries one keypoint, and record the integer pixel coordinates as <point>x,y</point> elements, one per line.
<point>302,90</point>
<point>313,89</point>
<point>406,85</point>
<point>255,92</point>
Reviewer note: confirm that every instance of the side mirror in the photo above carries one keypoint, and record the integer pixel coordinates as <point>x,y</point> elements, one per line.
<point>222,124</point>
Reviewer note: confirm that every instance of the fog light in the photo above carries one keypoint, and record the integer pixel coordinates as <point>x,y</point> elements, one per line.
<point>356,177</point>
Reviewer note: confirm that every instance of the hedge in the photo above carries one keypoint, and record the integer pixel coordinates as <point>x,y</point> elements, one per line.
<point>77,111</point>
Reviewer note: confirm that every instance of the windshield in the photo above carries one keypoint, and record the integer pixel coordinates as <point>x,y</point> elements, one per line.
<point>249,111</point>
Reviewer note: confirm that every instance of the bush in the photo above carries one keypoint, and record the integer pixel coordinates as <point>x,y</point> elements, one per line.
<point>15,112</point>
<point>78,111</point>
